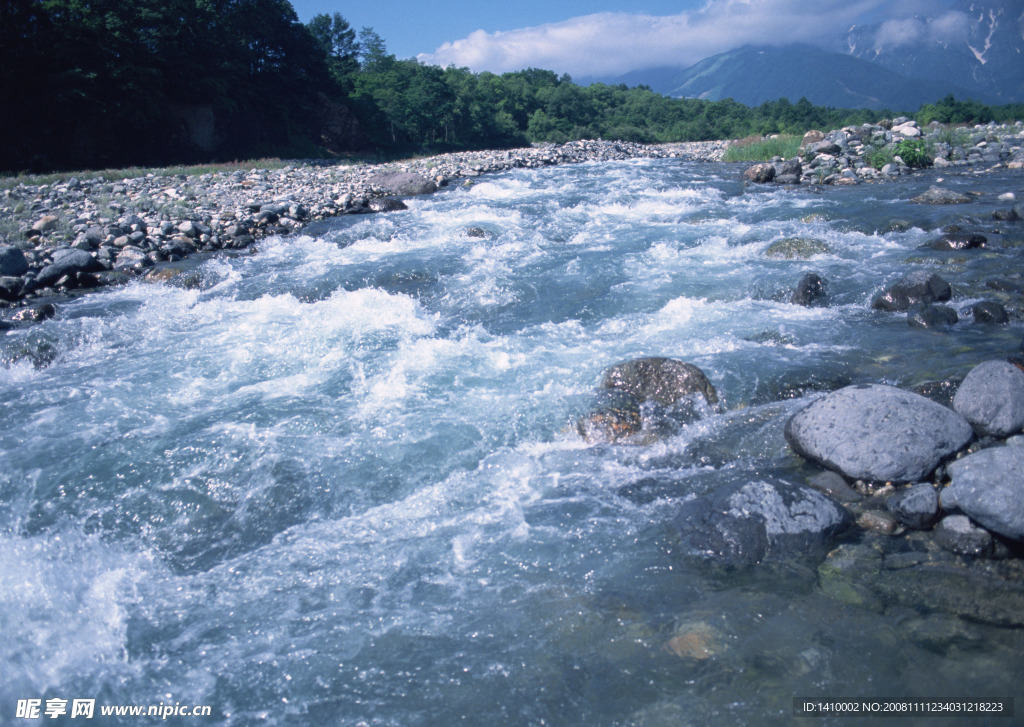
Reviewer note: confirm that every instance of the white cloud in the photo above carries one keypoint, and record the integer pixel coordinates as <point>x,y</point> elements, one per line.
<point>950,26</point>
<point>615,43</point>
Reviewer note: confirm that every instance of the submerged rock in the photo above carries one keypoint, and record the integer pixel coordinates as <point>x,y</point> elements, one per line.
<point>918,287</point>
<point>878,433</point>
<point>916,506</point>
<point>932,316</point>
<point>665,381</point>
<point>790,248</point>
<point>938,195</point>
<point>387,204</point>
<point>988,311</point>
<point>988,486</point>
<point>957,534</point>
<point>811,291</point>
<point>991,398</point>
<point>614,416</point>
<point>746,521</point>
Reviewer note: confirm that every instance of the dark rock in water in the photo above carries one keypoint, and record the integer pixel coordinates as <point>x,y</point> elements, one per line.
<point>403,183</point>
<point>11,287</point>
<point>614,416</point>
<point>833,485</point>
<point>747,520</point>
<point>12,261</point>
<point>918,287</point>
<point>1005,284</point>
<point>932,316</point>
<point>877,521</point>
<point>988,486</point>
<point>1009,215</point>
<point>35,313</point>
<point>878,433</point>
<point>941,392</point>
<point>665,381</point>
<point>988,311</point>
<point>811,291</point>
<point>958,242</point>
<point>67,262</point>
<point>387,204</point>
<point>790,248</point>
<point>760,173</point>
<point>477,232</point>
<point>957,534</point>
<point>40,353</point>
<point>916,507</point>
<point>938,195</point>
<point>991,398</point>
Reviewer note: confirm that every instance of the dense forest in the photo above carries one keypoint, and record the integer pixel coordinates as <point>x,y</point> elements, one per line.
<point>102,83</point>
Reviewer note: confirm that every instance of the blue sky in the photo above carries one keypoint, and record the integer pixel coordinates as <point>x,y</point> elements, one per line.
<point>609,37</point>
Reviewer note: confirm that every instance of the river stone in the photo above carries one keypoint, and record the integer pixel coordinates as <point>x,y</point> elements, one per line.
<point>12,261</point>
<point>957,534</point>
<point>614,415</point>
<point>988,487</point>
<point>35,313</point>
<point>988,311</point>
<point>918,287</point>
<point>811,291</point>
<point>931,316</point>
<point>938,195</point>
<point>796,247</point>
<point>878,433</point>
<point>67,261</point>
<point>387,204</point>
<point>916,506</point>
<point>746,520</point>
<point>760,173</point>
<point>991,398</point>
<point>959,242</point>
<point>403,183</point>
<point>661,380</point>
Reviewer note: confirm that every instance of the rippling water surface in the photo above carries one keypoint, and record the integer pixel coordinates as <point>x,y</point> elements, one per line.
<point>338,482</point>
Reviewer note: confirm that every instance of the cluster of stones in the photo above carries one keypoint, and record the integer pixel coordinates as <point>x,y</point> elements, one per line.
<point>896,444</point>
<point>85,233</point>
<point>891,460</point>
<point>841,156</point>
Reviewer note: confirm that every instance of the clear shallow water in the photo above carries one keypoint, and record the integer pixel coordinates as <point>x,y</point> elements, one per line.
<point>339,482</point>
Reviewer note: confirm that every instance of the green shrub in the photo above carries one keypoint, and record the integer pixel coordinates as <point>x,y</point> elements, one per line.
<point>879,156</point>
<point>761,150</point>
<point>914,153</point>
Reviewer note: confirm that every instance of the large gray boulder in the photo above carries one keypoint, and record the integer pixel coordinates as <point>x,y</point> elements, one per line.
<point>403,183</point>
<point>747,520</point>
<point>988,487</point>
<point>878,433</point>
<point>67,261</point>
<point>991,398</point>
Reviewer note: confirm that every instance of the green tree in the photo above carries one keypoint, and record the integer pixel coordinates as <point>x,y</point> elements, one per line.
<point>337,40</point>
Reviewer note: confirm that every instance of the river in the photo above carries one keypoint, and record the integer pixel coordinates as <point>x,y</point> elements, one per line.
<point>339,482</point>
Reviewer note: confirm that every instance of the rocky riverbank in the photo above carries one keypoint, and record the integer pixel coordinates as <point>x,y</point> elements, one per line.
<point>86,233</point>
<point>874,152</point>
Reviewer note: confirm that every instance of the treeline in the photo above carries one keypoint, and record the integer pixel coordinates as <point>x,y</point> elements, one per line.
<point>101,83</point>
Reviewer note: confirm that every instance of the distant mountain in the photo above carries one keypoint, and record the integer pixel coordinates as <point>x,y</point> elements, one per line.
<point>977,44</point>
<point>975,49</point>
<point>753,75</point>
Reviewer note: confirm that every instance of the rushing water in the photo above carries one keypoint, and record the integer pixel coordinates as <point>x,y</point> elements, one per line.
<point>338,482</point>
